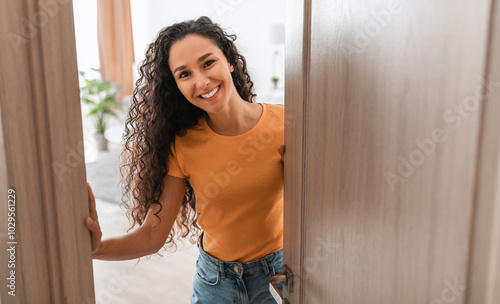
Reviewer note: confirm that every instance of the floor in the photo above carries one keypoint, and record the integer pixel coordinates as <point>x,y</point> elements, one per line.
<point>166,279</point>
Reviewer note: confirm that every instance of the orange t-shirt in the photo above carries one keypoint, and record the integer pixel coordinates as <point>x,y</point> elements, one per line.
<point>238,184</point>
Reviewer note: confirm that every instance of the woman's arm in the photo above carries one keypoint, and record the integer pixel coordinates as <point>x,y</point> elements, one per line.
<point>150,236</point>
<point>129,246</point>
<point>174,189</point>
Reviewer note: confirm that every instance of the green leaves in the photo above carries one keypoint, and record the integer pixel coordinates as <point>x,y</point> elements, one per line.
<point>100,94</point>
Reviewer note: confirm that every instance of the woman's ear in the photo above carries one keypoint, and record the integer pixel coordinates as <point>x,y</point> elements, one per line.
<point>231,68</point>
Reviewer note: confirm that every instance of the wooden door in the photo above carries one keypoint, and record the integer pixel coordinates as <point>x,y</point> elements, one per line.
<point>46,253</point>
<point>392,134</point>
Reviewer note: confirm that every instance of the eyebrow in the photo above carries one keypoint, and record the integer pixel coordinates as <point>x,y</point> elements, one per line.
<point>199,59</point>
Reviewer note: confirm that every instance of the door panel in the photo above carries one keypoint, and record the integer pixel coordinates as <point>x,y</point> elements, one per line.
<point>391,126</point>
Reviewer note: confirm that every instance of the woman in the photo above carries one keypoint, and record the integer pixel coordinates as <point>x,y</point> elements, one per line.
<point>201,153</point>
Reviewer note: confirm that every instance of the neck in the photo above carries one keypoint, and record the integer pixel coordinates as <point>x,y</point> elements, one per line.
<point>236,118</point>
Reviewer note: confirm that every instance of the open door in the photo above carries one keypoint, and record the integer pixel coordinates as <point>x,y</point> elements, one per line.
<point>46,255</point>
<point>392,162</point>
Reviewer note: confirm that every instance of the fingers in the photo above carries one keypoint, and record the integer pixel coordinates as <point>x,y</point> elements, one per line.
<point>92,207</point>
<point>92,225</point>
<point>281,150</point>
<point>96,233</point>
<point>92,222</point>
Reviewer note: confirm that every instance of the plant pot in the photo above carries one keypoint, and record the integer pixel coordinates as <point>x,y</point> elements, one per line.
<point>275,84</point>
<point>101,141</point>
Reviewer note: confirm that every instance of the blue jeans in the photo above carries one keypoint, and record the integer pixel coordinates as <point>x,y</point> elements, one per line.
<point>220,282</point>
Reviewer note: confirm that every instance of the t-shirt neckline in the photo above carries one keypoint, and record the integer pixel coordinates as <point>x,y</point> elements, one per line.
<point>236,137</point>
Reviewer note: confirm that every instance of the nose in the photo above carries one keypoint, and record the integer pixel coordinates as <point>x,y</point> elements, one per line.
<point>202,81</point>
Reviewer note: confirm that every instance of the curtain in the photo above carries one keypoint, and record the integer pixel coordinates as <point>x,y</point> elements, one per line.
<point>116,47</point>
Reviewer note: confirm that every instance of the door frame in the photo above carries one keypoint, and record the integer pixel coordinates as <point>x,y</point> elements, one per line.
<point>42,155</point>
<point>484,268</point>
<point>297,53</point>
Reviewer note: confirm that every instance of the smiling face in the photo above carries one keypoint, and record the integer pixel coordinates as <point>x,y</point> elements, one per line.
<point>202,73</point>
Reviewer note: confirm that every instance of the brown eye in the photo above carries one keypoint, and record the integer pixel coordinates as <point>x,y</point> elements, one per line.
<point>209,63</point>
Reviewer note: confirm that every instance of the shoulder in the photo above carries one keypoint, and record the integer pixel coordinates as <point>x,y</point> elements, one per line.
<point>275,109</point>
<point>275,116</point>
<point>275,106</point>
<point>192,135</point>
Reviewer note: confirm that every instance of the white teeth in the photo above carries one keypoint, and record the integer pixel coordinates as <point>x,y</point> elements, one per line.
<point>211,93</point>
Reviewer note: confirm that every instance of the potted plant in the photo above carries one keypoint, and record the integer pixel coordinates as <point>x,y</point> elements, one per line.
<point>100,94</point>
<point>275,81</point>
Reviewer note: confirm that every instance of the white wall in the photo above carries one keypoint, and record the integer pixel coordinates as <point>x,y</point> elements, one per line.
<point>249,20</point>
<point>85,16</point>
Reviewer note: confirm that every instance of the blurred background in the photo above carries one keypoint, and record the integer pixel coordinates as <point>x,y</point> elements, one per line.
<point>111,39</point>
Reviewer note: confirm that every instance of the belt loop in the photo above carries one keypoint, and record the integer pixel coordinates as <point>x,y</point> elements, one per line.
<point>265,266</point>
<point>221,268</point>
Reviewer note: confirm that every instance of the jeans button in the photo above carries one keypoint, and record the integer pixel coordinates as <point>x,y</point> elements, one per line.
<point>237,268</point>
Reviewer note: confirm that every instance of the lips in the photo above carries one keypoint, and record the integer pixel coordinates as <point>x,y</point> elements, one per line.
<point>210,94</point>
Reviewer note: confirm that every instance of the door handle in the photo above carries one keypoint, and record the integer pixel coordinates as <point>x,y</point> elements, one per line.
<point>285,278</point>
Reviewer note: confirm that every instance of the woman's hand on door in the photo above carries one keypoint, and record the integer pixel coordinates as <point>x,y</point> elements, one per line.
<point>281,150</point>
<point>92,222</point>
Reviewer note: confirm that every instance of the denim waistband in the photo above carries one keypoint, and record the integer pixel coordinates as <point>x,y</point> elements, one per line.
<point>238,268</point>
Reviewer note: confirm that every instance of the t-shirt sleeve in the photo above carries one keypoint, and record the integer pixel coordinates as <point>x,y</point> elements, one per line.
<point>174,169</point>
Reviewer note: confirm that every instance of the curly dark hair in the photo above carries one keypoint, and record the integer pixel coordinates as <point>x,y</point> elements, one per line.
<point>158,113</point>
